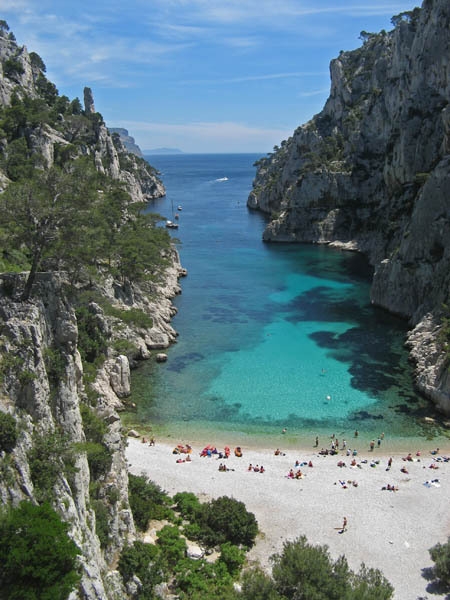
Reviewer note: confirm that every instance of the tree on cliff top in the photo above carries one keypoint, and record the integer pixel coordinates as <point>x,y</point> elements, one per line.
<point>39,212</point>
<point>78,220</point>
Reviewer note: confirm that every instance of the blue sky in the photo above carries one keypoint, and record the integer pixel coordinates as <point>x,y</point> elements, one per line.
<point>199,75</point>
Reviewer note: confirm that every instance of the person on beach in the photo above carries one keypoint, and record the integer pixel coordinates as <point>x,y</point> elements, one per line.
<point>356,433</point>
<point>317,441</point>
<point>372,445</point>
<point>344,524</point>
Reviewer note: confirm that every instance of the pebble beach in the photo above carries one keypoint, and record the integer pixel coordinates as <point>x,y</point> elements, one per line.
<point>389,529</point>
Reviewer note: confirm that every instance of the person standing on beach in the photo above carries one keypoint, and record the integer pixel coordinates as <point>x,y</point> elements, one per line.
<point>344,524</point>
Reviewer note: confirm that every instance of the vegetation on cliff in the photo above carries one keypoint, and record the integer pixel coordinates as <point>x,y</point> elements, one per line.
<point>77,246</point>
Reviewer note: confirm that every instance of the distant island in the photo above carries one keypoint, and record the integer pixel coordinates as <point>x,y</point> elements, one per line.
<point>163,151</point>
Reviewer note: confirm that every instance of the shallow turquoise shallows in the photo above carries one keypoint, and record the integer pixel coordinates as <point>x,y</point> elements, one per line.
<point>270,335</point>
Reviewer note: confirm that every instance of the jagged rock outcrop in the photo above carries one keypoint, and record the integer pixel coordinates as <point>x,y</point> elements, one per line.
<point>371,172</point>
<point>127,140</point>
<point>89,106</point>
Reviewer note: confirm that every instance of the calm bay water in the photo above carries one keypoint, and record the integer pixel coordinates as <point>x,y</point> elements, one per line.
<point>270,335</point>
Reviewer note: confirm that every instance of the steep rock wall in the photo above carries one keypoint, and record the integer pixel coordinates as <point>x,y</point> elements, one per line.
<point>43,404</point>
<point>371,171</point>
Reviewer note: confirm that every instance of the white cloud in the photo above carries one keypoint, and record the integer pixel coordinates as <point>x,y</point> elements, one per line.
<point>247,78</point>
<point>257,11</point>
<point>314,93</point>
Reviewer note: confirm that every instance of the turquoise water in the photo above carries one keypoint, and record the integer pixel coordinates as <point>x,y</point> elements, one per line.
<point>270,335</point>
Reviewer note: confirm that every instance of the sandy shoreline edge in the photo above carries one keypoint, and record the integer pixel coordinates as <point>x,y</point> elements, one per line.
<point>389,530</point>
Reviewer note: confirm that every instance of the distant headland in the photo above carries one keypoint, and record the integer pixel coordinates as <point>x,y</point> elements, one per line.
<point>163,151</point>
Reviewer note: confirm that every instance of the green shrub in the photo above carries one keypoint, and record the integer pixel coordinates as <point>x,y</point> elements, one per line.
<point>92,343</point>
<point>232,557</point>
<point>306,571</point>
<point>188,505</point>
<point>99,459</point>
<point>8,432</point>
<point>200,580</point>
<point>123,346</point>
<point>142,560</point>
<point>132,316</point>
<point>39,563</point>
<point>55,365</point>
<point>227,520</point>
<point>25,376</point>
<point>147,501</point>
<point>440,554</point>
<point>101,521</point>
<point>94,427</point>
<point>11,364</point>
<point>257,585</point>
<point>50,456</point>
<point>12,67</point>
<point>173,547</point>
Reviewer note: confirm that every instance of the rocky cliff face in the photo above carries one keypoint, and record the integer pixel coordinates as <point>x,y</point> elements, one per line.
<point>127,140</point>
<point>45,403</point>
<point>22,75</point>
<point>42,379</point>
<point>371,172</point>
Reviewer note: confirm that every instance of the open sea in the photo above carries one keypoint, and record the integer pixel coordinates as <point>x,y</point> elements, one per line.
<point>271,336</point>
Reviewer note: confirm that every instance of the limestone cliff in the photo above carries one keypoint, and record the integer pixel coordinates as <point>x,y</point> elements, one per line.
<point>127,140</point>
<point>62,413</point>
<point>45,402</point>
<point>371,173</point>
<point>71,132</point>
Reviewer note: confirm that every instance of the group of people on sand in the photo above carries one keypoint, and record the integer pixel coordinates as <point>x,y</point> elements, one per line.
<point>180,449</point>
<point>346,484</point>
<point>295,475</point>
<point>223,468</point>
<point>209,451</point>
<point>256,468</point>
<point>390,488</point>
<point>150,442</point>
<point>184,460</point>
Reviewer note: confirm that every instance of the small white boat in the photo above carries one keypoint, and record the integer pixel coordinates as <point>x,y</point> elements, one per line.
<point>179,207</point>
<point>171,224</point>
